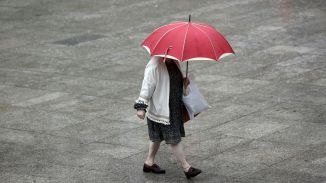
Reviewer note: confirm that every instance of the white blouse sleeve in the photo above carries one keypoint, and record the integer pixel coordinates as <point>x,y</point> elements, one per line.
<point>148,85</point>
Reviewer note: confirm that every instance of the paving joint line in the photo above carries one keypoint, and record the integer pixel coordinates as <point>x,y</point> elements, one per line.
<point>56,74</point>
<point>35,88</point>
<point>238,118</point>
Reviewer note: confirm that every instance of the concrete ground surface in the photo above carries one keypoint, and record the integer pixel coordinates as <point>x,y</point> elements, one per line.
<point>71,70</point>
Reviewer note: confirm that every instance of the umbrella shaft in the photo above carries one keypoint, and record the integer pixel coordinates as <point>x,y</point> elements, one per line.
<point>187,69</point>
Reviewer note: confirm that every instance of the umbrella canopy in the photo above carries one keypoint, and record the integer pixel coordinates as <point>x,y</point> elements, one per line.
<point>187,41</point>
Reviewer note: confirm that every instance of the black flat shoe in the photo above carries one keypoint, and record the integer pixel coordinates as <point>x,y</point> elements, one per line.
<point>192,172</point>
<point>154,168</point>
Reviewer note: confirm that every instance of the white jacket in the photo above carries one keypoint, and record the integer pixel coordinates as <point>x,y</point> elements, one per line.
<point>155,90</point>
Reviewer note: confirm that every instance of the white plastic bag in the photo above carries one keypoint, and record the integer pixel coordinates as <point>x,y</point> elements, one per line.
<point>194,101</point>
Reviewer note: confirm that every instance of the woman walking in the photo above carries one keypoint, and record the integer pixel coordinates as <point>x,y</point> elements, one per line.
<point>162,89</point>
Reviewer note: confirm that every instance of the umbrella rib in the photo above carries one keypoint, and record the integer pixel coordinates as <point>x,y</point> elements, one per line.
<point>210,41</point>
<point>219,34</point>
<point>165,26</point>
<point>184,42</point>
<point>165,35</point>
<point>203,25</point>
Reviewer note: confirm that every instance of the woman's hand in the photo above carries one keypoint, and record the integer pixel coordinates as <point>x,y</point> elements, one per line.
<point>141,114</point>
<point>186,82</point>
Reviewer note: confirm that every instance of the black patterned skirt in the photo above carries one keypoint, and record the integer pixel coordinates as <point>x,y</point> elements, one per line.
<point>170,133</point>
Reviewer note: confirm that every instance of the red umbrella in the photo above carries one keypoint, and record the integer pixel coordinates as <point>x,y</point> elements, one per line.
<point>187,41</point>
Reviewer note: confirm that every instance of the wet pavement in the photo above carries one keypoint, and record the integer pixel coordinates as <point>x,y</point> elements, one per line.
<point>71,70</point>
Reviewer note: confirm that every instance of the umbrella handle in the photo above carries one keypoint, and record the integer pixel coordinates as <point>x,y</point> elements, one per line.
<point>166,52</point>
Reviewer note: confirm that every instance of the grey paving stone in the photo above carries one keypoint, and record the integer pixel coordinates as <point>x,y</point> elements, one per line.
<point>87,86</point>
<point>250,157</point>
<point>211,146</point>
<point>287,49</point>
<point>26,155</point>
<point>280,176</point>
<point>263,59</point>
<point>229,110</point>
<point>90,109</point>
<point>37,100</point>
<point>136,138</point>
<point>251,127</point>
<point>295,111</point>
<point>26,79</point>
<point>29,139</point>
<point>300,133</point>
<point>11,43</point>
<point>20,178</point>
<point>17,3</point>
<point>36,34</point>
<point>51,50</point>
<point>79,39</point>
<point>5,55</point>
<point>12,94</point>
<point>108,150</point>
<point>97,176</point>
<point>208,119</point>
<point>14,155</point>
<point>36,120</point>
<point>27,62</point>
<point>49,165</point>
<point>321,81</point>
<point>286,70</point>
<point>233,85</point>
<point>7,11</point>
<point>288,92</point>
<point>226,68</point>
<point>62,101</point>
<point>311,162</point>
<point>94,130</point>
<point>65,173</point>
<point>93,161</point>
<point>110,74</point>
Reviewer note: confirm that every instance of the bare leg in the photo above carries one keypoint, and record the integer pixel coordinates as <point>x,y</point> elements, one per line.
<point>178,152</point>
<point>152,150</point>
